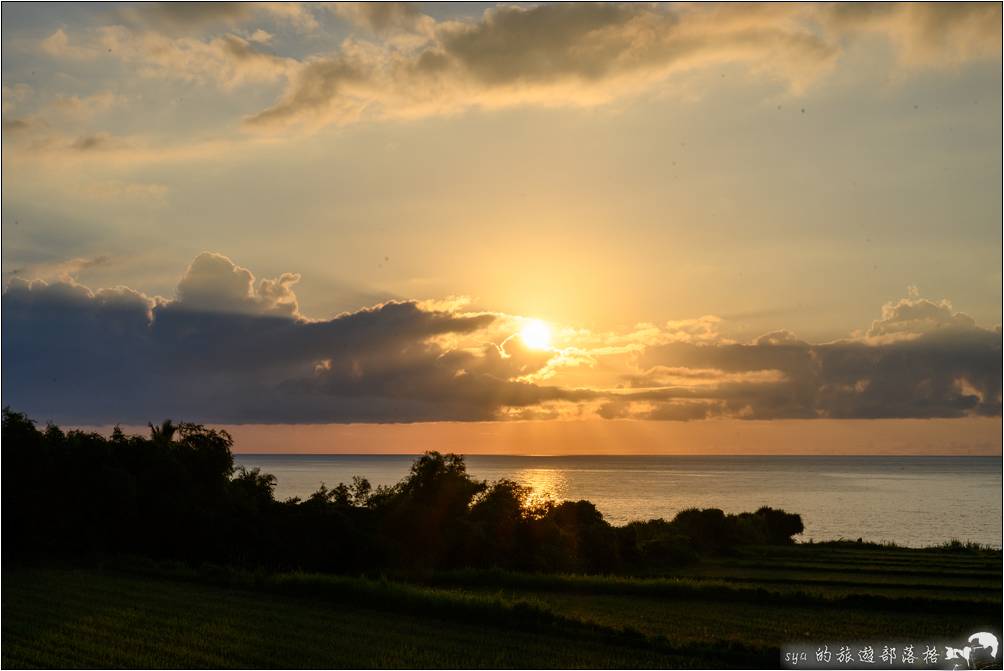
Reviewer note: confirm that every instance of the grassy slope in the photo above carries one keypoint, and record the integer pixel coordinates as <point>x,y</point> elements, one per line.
<point>773,596</point>
<point>759,600</point>
<point>835,569</point>
<point>758,625</point>
<point>75,618</point>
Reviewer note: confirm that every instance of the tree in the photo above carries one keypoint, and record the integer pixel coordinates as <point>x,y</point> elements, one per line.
<point>163,434</point>
<point>780,526</point>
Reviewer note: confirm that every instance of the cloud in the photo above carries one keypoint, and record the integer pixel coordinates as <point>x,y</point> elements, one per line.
<point>214,283</point>
<point>927,34</point>
<point>667,376</point>
<point>914,316</point>
<point>560,54</point>
<point>84,107</point>
<point>384,17</point>
<point>260,36</point>
<point>190,14</point>
<point>22,125</point>
<point>920,360</point>
<point>399,63</point>
<point>296,14</point>
<point>64,271</point>
<point>232,348</point>
<point>227,350</point>
<point>228,60</point>
<point>57,45</point>
<point>16,95</point>
<point>592,53</point>
<point>187,16</point>
<point>94,142</point>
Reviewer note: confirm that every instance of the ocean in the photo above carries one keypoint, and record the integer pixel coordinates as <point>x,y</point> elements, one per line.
<point>912,501</point>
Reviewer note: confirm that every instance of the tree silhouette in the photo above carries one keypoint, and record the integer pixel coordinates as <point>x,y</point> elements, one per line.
<point>176,494</point>
<point>163,434</point>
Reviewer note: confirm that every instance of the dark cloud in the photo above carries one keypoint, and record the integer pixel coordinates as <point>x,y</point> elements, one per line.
<point>194,14</point>
<point>381,17</point>
<point>228,348</point>
<point>921,360</point>
<point>16,125</point>
<point>226,351</point>
<point>94,142</point>
<point>546,43</point>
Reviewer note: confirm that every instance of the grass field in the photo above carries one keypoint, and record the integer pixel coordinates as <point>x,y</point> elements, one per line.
<point>733,612</point>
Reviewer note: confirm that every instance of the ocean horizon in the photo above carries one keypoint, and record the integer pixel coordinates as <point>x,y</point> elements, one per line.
<point>914,501</point>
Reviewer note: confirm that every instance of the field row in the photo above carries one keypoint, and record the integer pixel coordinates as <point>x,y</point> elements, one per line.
<point>777,589</point>
<point>141,614</point>
<point>61,618</point>
<point>870,568</point>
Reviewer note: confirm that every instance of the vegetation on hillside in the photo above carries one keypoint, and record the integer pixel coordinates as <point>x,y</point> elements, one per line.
<point>136,612</point>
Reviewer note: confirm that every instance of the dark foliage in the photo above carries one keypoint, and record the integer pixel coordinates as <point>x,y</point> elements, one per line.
<point>177,495</point>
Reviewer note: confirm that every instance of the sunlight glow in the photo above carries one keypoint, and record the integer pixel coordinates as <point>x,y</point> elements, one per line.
<point>536,335</point>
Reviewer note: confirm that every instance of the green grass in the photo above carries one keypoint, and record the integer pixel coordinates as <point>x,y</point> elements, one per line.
<point>89,618</point>
<point>788,593</point>
<point>726,612</point>
<point>754,624</point>
<point>847,569</point>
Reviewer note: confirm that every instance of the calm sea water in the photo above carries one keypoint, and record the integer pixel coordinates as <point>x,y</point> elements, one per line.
<point>913,501</point>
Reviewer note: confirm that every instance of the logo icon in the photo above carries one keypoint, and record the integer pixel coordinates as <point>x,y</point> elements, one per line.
<point>980,652</point>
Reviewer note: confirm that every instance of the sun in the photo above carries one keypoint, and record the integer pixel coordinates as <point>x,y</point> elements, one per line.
<point>536,335</point>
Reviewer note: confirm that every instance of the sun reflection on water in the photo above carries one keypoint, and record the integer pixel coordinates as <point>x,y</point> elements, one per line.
<point>545,482</point>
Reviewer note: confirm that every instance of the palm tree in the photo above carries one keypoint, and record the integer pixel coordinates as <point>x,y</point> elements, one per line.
<point>164,433</point>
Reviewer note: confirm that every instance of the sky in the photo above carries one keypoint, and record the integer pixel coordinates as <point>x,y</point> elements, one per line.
<point>508,228</point>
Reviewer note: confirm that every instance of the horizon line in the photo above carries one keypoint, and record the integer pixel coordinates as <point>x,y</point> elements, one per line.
<point>724,456</point>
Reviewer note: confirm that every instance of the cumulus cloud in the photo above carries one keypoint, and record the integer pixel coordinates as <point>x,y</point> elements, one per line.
<point>225,349</point>
<point>913,316</point>
<point>921,359</point>
<point>215,283</point>
<point>228,347</point>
